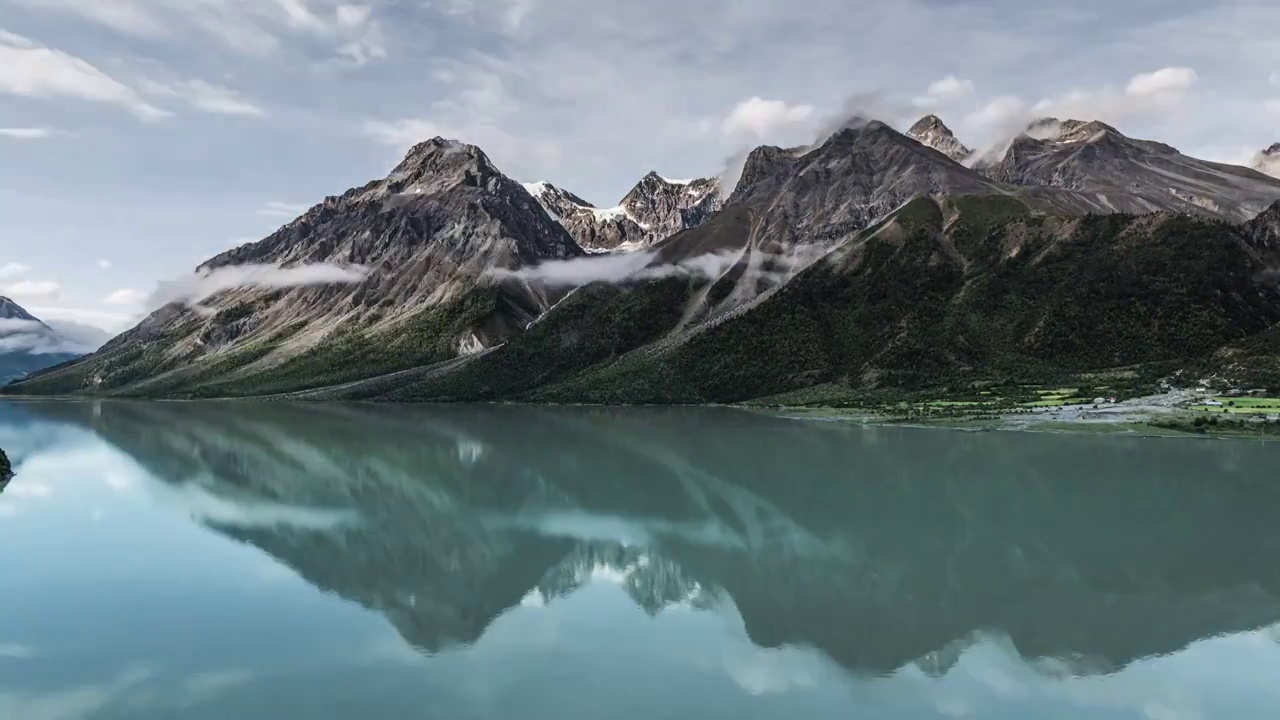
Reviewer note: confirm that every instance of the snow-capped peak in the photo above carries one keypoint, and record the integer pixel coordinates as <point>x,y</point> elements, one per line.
<point>537,189</point>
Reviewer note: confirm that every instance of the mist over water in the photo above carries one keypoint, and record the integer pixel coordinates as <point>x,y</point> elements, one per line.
<point>193,560</point>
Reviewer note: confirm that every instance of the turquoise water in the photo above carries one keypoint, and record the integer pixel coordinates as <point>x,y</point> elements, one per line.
<point>237,560</point>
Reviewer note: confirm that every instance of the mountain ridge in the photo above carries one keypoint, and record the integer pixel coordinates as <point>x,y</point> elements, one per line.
<point>431,316</point>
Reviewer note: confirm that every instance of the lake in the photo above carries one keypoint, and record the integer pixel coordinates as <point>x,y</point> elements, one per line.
<point>267,560</point>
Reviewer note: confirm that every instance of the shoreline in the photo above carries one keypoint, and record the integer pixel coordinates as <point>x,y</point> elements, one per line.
<point>1169,415</point>
<point>1173,414</point>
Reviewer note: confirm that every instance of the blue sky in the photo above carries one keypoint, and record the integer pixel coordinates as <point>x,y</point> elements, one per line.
<point>139,137</point>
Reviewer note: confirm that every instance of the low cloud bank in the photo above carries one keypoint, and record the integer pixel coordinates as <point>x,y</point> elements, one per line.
<point>34,338</point>
<point>618,269</point>
<point>195,289</point>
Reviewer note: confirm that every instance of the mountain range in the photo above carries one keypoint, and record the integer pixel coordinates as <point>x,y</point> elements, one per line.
<point>28,345</point>
<point>868,261</point>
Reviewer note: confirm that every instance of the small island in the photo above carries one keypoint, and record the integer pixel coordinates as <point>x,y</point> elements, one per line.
<point>6,470</point>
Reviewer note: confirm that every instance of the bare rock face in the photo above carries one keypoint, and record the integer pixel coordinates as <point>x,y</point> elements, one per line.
<point>932,132</point>
<point>653,210</point>
<point>1128,174</point>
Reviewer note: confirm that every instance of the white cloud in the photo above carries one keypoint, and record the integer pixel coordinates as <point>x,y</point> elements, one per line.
<point>950,88</point>
<point>125,296</point>
<point>30,70</point>
<point>26,133</point>
<point>1167,81</point>
<point>36,289</point>
<point>200,504</point>
<point>256,27</point>
<point>13,269</point>
<point>352,16</point>
<point>88,337</point>
<point>32,489</point>
<point>618,268</point>
<point>401,133</point>
<point>1274,79</point>
<point>194,289</point>
<point>30,336</point>
<point>207,97</point>
<point>108,321</point>
<point>278,209</point>
<point>104,264</point>
<point>998,113</point>
<point>762,117</point>
<point>13,651</point>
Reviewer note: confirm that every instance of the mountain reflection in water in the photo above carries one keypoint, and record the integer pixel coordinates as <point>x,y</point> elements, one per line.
<point>880,548</point>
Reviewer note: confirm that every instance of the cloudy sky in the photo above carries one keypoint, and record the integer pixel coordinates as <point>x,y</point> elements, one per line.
<point>139,137</point>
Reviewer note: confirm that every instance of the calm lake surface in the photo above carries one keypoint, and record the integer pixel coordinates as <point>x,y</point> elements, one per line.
<point>227,560</point>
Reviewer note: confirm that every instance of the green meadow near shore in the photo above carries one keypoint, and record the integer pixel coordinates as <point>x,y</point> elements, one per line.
<point>1064,409</point>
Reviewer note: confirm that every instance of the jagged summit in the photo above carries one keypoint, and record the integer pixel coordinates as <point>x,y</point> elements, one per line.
<point>432,165</point>
<point>931,131</point>
<point>927,123</point>
<point>656,208</point>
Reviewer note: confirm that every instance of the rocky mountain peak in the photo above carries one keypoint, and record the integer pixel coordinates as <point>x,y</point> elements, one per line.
<point>664,207</point>
<point>10,310</point>
<point>1071,131</point>
<point>932,132</point>
<point>929,123</point>
<point>440,162</point>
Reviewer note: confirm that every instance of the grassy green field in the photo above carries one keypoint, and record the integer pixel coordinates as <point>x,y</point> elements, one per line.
<point>1242,406</point>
